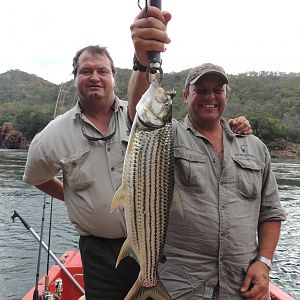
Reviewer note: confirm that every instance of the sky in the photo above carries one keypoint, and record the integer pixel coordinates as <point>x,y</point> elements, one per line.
<point>41,37</point>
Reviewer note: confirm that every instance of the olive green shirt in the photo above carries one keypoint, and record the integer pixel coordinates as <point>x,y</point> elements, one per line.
<point>92,170</point>
<point>216,238</point>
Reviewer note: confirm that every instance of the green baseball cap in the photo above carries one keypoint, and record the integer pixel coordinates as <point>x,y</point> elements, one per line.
<point>203,69</point>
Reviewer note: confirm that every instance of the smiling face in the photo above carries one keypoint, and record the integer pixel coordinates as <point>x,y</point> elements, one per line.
<point>206,100</point>
<point>94,79</point>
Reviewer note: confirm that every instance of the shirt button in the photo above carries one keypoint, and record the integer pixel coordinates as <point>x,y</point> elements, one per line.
<point>163,259</point>
<point>112,168</point>
<point>214,160</point>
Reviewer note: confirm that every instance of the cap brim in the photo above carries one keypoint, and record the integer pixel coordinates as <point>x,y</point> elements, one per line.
<point>225,79</point>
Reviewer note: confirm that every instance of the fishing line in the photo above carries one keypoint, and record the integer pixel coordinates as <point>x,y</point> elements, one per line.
<point>146,7</point>
<point>49,237</point>
<point>36,292</point>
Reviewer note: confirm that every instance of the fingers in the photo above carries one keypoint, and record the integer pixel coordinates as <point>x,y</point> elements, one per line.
<point>149,33</point>
<point>240,125</point>
<point>246,284</point>
<point>256,283</point>
<point>256,293</point>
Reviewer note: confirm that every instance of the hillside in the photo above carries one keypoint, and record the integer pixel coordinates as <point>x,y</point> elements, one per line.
<point>271,101</point>
<point>20,88</point>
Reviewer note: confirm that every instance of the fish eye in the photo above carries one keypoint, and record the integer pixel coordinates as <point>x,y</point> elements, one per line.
<point>167,105</point>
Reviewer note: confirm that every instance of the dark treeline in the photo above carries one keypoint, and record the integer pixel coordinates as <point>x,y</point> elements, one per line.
<point>270,100</point>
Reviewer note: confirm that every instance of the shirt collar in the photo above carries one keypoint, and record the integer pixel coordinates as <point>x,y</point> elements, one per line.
<point>187,124</point>
<point>117,106</point>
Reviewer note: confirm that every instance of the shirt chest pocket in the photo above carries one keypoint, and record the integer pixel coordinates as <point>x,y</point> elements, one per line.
<point>249,178</point>
<point>190,170</point>
<point>77,172</point>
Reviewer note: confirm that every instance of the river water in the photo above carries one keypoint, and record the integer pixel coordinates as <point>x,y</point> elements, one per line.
<point>19,249</point>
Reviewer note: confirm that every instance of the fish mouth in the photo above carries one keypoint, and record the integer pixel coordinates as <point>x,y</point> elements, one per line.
<point>171,93</point>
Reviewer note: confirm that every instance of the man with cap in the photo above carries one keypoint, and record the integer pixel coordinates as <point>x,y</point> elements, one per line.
<point>223,245</point>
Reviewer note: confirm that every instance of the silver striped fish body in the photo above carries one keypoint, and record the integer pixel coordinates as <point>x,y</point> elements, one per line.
<point>147,191</point>
<point>151,182</point>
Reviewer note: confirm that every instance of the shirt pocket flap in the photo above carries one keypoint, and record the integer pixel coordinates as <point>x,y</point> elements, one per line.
<point>190,155</point>
<point>250,164</point>
<point>74,159</point>
<point>77,170</point>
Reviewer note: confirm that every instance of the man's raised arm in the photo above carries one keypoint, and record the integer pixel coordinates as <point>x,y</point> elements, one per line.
<point>148,34</point>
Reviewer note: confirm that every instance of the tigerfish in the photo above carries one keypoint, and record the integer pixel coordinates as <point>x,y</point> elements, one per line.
<point>147,190</point>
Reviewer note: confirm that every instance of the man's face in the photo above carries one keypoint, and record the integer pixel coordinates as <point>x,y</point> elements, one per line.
<point>206,100</point>
<point>94,79</point>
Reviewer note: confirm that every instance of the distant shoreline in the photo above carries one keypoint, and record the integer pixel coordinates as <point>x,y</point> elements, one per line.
<point>291,151</point>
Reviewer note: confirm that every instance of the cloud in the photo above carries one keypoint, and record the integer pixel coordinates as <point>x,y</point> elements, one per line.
<point>41,37</point>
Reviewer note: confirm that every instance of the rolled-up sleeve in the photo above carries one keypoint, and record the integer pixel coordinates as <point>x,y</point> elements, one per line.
<point>271,209</point>
<point>41,166</point>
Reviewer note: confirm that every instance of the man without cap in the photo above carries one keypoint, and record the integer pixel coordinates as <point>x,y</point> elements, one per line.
<point>223,246</point>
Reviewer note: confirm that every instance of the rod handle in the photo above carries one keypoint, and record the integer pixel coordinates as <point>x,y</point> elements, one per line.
<point>16,215</point>
<point>154,56</point>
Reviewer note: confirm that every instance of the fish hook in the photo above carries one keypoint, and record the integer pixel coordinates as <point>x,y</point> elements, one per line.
<point>146,7</point>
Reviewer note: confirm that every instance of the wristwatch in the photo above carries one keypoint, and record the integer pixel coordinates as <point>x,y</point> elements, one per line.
<point>264,260</point>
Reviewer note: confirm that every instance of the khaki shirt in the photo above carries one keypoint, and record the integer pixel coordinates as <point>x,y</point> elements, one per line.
<point>92,171</point>
<point>215,240</point>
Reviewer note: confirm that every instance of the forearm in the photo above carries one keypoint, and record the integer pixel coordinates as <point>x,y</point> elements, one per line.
<point>136,88</point>
<point>256,282</point>
<point>53,187</point>
<point>268,236</point>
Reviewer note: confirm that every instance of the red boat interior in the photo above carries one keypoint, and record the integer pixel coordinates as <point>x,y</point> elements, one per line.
<point>72,262</point>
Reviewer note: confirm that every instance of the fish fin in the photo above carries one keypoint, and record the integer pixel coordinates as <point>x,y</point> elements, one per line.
<point>157,292</point>
<point>177,201</point>
<point>126,250</point>
<point>119,198</point>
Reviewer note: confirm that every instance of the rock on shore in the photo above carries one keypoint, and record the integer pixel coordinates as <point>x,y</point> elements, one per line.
<point>290,151</point>
<point>10,138</point>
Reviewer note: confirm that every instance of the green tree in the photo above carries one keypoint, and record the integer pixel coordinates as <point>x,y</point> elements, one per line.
<point>267,128</point>
<point>31,122</point>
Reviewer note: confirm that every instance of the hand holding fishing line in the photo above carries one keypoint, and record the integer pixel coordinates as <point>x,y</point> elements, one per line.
<point>149,43</point>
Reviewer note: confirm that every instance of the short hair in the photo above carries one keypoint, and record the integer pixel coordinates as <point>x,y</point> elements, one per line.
<point>93,50</point>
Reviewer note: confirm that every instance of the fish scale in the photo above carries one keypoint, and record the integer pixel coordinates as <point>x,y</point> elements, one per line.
<point>152,171</point>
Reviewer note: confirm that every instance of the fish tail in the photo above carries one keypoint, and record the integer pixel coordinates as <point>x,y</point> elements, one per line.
<point>139,292</point>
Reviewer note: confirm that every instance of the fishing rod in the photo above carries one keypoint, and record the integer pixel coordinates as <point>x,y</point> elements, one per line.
<point>154,56</point>
<point>68,274</point>
<point>155,61</point>
<point>37,276</point>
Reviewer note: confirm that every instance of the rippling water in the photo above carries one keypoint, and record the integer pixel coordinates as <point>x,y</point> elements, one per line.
<point>19,249</point>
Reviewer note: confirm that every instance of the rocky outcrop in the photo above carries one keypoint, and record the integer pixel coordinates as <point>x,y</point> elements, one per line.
<point>290,151</point>
<point>10,138</point>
